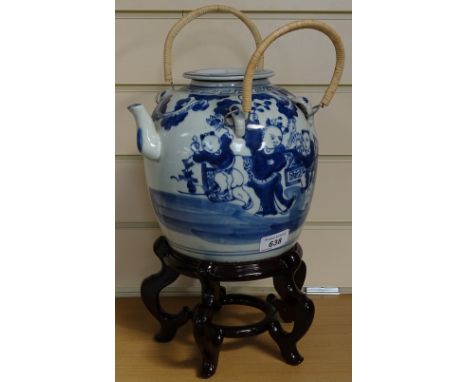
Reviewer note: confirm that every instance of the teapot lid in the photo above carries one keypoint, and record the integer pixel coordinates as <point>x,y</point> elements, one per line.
<point>226,74</point>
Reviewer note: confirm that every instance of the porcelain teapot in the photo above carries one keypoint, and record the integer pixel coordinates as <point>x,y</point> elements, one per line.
<point>230,160</point>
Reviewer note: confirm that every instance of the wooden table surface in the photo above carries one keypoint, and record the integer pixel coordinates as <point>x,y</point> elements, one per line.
<point>326,347</point>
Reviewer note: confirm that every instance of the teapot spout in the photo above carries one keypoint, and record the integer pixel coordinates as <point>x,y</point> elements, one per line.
<point>148,139</point>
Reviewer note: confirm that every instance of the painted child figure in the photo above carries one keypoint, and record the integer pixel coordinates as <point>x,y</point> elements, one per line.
<point>222,182</point>
<point>267,162</point>
<point>305,154</point>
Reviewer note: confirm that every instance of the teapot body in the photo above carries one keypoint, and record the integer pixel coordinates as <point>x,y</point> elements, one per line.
<point>223,196</point>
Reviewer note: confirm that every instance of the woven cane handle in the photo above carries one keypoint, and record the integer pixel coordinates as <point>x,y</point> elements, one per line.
<point>303,24</point>
<point>193,15</point>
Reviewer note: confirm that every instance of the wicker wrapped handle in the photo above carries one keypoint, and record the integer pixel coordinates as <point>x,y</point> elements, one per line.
<point>303,24</point>
<point>193,15</point>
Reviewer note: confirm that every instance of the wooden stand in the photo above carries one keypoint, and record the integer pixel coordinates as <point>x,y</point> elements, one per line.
<point>288,272</point>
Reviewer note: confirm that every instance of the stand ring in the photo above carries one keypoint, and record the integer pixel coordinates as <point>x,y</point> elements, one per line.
<point>251,329</point>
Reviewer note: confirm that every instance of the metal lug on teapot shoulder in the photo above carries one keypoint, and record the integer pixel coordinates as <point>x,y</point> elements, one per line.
<point>304,104</point>
<point>237,120</point>
<point>148,139</point>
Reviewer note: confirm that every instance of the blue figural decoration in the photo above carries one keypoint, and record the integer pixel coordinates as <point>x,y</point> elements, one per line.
<point>221,194</point>
<point>230,160</point>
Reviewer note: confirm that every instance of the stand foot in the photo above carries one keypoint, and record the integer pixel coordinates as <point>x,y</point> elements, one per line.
<point>151,289</point>
<point>294,306</point>
<point>208,337</point>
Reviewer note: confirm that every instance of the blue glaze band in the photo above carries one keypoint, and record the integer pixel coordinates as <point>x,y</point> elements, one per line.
<point>139,140</point>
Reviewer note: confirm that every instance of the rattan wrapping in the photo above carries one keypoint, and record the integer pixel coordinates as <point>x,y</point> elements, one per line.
<point>193,15</point>
<point>303,24</point>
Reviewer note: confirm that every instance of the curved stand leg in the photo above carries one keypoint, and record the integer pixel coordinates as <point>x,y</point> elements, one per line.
<point>295,306</point>
<point>284,310</point>
<point>207,337</point>
<point>150,290</point>
<point>300,275</point>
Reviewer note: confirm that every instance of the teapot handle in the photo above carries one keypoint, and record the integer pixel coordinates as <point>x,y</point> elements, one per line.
<point>193,15</point>
<point>303,24</point>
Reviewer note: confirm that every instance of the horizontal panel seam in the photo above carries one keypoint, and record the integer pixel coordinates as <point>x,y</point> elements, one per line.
<point>335,226</point>
<point>122,12</point>
<point>324,158</point>
<point>284,19</point>
<point>148,87</point>
<point>173,291</point>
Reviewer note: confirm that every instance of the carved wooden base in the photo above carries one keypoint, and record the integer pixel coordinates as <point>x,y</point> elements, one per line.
<point>288,272</point>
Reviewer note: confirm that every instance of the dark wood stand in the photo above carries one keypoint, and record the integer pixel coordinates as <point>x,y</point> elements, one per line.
<point>288,272</point>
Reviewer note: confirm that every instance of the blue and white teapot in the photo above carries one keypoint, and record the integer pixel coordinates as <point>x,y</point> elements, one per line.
<point>230,160</point>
